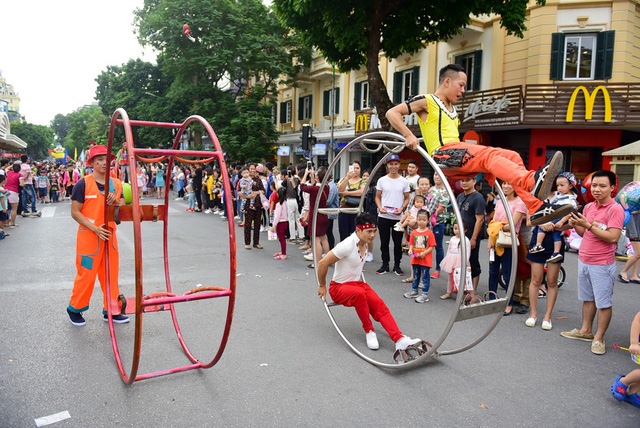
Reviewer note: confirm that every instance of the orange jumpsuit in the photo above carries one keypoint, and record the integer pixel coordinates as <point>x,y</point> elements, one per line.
<point>90,250</point>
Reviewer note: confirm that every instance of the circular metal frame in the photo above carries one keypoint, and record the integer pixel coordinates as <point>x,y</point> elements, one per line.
<point>393,143</point>
<point>120,117</point>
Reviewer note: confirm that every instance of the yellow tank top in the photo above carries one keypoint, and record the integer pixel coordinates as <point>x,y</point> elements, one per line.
<point>441,126</point>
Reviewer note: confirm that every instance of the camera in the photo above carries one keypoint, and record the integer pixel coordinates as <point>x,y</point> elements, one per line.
<point>309,164</point>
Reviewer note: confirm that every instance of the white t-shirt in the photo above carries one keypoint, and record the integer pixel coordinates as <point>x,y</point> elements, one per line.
<point>349,267</point>
<point>393,190</point>
<point>413,182</point>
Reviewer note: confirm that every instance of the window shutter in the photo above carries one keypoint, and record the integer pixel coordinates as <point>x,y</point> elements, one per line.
<point>415,84</point>
<point>283,112</point>
<point>357,97</point>
<point>477,70</point>
<point>557,56</point>
<point>397,87</point>
<point>300,108</point>
<point>604,54</point>
<point>336,101</point>
<point>310,106</point>
<point>325,103</point>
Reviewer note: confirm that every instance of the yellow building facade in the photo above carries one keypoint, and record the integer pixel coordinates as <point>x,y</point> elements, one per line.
<point>568,44</point>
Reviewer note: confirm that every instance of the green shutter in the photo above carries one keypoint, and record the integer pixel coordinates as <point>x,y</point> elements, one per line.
<point>336,101</point>
<point>357,97</point>
<point>397,87</point>
<point>310,106</point>
<point>300,108</point>
<point>477,70</point>
<point>557,56</point>
<point>415,84</point>
<point>283,112</point>
<point>604,55</point>
<point>325,102</point>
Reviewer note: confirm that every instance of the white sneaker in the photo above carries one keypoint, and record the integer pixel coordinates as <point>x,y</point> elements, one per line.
<point>423,298</point>
<point>369,258</point>
<point>531,322</point>
<point>309,257</point>
<point>372,340</point>
<point>405,341</point>
<point>177,199</point>
<point>398,227</point>
<point>546,325</point>
<point>237,217</point>
<point>207,211</point>
<point>262,229</point>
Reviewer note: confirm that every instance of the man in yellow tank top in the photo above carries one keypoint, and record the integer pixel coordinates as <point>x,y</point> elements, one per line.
<point>438,120</point>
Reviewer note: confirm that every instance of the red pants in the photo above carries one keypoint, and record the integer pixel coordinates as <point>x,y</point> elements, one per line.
<point>494,162</point>
<point>359,295</point>
<point>281,230</point>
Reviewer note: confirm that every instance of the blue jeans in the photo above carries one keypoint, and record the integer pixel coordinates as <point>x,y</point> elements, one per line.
<point>494,271</point>
<point>420,271</point>
<point>28,191</point>
<point>438,231</point>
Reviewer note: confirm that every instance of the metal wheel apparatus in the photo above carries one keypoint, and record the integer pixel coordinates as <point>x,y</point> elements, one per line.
<point>137,213</point>
<point>393,143</point>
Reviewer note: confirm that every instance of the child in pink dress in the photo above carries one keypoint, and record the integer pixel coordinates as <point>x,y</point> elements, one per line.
<point>453,259</point>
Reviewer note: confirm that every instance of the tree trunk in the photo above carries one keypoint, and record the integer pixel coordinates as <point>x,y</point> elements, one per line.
<point>377,85</point>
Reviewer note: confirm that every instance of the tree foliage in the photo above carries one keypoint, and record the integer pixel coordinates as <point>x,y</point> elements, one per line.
<point>86,124</point>
<point>61,126</point>
<point>353,33</point>
<point>39,138</point>
<point>235,41</point>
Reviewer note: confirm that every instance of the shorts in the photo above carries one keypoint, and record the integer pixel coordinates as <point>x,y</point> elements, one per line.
<point>595,283</point>
<point>42,192</point>
<point>547,243</point>
<point>13,197</point>
<point>633,228</point>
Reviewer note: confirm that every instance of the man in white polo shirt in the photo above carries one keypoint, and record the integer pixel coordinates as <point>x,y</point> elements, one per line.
<point>392,197</point>
<point>348,289</point>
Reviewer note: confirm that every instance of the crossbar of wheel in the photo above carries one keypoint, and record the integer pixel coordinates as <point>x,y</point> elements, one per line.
<point>481,309</point>
<point>148,123</point>
<point>496,307</point>
<point>334,211</point>
<point>185,298</point>
<point>171,152</point>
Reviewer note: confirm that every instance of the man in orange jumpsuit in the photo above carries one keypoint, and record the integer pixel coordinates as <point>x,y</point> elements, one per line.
<point>87,208</point>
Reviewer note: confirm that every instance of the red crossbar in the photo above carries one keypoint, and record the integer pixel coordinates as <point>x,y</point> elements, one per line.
<point>185,298</point>
<point>170,152</point>
<point>147,123</point>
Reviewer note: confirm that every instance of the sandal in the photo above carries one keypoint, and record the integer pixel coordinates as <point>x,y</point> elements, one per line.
<point>258,246</point>
<point>247,247</point>
<point>280,257</point>
<point>542,294</point>
<point>446,296</point>
<point>407,281</point>
<point>623,279</point>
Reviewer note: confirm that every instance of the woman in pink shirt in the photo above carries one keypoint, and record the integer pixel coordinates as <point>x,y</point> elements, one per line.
<point>518,211</point>
<point>13,187</point>
<point>281,223</point>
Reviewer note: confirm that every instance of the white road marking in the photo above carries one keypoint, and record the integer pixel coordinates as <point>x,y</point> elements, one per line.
<point>48,211</point>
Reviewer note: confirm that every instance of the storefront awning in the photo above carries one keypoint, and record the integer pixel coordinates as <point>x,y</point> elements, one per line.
<point>9,141</point>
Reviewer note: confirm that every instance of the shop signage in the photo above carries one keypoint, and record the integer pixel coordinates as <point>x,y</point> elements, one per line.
<point>589,100</point>
<point>367,121</point>
<point>492,105</point>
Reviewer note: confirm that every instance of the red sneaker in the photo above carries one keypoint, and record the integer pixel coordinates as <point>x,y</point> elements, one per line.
<point>435,275</point>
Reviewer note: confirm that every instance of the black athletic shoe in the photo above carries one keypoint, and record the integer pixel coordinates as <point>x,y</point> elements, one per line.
<point>76,318</point>
<point>548,212</point>
<point>118,319</point>
<point>545,177</point>
<point>383,269</point>
<point>398,271</point>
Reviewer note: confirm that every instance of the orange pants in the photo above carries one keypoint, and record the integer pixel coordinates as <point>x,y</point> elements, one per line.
<point>91,260</point>
<point>468,160</point>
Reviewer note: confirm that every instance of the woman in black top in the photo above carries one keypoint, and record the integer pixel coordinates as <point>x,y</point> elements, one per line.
<point>197,187</point>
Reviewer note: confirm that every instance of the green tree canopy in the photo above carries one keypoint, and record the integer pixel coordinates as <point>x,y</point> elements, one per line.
<point>86,124</point>
<point>235,42</point>
<point>61,126</point>
<point>353,33</point>
<point>39,138</point>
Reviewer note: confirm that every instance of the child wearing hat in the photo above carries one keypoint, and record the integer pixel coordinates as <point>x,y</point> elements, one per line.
<point>566,194</point>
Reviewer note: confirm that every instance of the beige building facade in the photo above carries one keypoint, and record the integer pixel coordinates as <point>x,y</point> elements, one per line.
<point>569,50</point>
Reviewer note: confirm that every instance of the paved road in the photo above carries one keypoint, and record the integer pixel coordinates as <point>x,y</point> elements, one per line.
<point>284,365</point>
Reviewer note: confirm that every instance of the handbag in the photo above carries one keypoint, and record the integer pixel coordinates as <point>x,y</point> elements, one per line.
<point>264,201</point>
<point>504,239</point>
<point>352,201</point>
<point>468,282</point>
